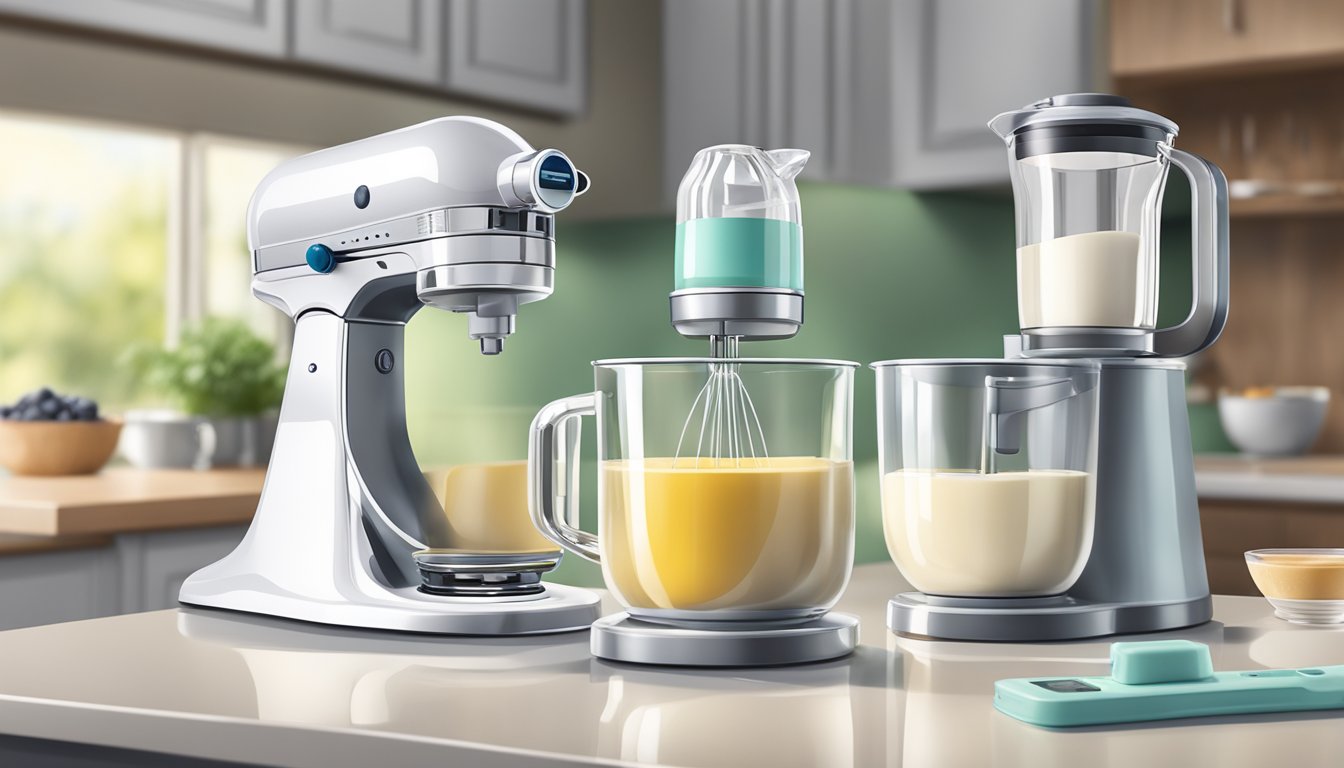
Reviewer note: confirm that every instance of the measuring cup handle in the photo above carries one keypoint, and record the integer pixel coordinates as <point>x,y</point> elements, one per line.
<point>553,442</point>
<point>1210,267</point>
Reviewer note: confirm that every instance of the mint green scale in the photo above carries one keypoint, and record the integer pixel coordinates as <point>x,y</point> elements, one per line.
<point>1164,680</point>
<point>739,252</point>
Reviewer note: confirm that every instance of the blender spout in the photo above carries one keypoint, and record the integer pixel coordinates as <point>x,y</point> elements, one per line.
<point>788,163</point>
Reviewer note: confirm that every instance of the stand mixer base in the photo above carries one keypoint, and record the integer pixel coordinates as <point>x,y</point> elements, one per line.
<point>1008,620</point>
<point>620,637</point>
<point>558,609</point>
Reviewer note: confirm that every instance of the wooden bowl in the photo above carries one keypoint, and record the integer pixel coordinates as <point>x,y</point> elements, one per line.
<point>57,447</point>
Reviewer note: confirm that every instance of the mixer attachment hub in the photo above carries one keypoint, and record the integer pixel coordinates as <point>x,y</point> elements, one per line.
<point>457,573</point>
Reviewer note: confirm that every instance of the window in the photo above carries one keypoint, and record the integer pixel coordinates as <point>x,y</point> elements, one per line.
<point>112,236</point>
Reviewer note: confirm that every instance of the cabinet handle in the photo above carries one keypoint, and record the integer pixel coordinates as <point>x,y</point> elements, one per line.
<point>1234,20</point>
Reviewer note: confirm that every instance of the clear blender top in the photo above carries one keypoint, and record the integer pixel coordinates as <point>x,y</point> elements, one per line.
<point>1088,173</point>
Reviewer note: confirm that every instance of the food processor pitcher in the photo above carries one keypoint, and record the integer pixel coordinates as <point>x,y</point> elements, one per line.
<point>1088,173</point>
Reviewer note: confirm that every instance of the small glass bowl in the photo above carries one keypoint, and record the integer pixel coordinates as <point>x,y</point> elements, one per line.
<point>1305,586</point>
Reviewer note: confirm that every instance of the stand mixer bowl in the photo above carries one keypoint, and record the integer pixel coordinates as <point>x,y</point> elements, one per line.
<point>988,473</point>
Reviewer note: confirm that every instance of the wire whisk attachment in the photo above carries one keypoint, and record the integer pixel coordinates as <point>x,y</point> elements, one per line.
<point>730,432</point>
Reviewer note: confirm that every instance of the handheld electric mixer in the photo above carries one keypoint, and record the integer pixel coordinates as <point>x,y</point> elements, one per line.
<point>455,213</point>
<point>739,275</point>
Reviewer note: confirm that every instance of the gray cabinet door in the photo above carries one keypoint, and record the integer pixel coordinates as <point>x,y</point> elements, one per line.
<point>929,74</point>
<point>531,53</point>
<point>51,587</point>
<point>771,73</point>
<point>395,39</point>
<point>154,565</point>
<point>254,27</point>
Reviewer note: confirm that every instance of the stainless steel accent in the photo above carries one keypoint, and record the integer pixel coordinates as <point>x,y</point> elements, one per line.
<point>620,637</point>
<point>754,314</point>
<point>490,574</point>
<point>1042,620</point>
<point>365,241</point>
<point>1073,342</point>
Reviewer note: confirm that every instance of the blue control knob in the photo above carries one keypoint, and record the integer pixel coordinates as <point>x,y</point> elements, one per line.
<point>320,258</point>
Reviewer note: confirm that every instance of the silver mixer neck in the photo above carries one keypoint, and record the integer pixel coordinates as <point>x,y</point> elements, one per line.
<point>455,213</point>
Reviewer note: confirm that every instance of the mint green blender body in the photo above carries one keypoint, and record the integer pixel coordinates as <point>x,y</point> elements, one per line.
<point>739,253</point>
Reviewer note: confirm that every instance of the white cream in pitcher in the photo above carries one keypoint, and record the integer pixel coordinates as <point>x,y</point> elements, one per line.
<point>1095,279</point>
<point>988,535</point>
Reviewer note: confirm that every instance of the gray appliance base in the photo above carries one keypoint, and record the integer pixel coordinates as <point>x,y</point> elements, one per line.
<point>1038,620</point>
<point>619,637</point>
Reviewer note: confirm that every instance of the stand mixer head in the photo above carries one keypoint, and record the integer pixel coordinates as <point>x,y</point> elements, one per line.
<point>455,213</point>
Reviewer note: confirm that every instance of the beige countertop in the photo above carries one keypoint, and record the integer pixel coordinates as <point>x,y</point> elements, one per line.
<point>1317,479</point>
<point>226,686</point>
<point>122,500</point>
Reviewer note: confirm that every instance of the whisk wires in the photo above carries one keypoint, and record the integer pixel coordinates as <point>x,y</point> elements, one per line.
<point>730,430</point>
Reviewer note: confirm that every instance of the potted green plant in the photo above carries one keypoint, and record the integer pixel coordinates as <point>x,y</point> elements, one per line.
<point>223,372</point>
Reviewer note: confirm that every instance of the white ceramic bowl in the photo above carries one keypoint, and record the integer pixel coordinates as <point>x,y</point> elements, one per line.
<point>1283,422</point>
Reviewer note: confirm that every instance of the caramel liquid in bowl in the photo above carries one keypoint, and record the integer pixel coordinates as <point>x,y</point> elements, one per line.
<point>1299,576</point>
<point>727,539</point>
<point>486,505</point>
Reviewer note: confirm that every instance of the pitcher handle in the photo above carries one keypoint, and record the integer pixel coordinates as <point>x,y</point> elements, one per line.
<point>551,442</point>
<point>1210,267</point>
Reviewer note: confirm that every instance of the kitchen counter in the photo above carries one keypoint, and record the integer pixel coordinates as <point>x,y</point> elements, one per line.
<point>124,500</point>
<point>230,687</point>
<point>1297,479</point>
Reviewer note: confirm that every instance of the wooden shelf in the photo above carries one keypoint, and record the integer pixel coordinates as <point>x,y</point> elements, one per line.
<point>1286,206</point>
<point>1160,76</point>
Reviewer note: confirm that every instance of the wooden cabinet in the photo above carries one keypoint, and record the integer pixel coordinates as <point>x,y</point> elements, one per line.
<point>532,53</point>
<point>890,94</point>
<point>253,27</point>
<point>1230,528</point>
<point>399,39</point>
<point>1159,37</point>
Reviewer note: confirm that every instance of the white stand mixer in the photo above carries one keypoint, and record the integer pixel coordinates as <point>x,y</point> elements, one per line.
<point>351,241</point>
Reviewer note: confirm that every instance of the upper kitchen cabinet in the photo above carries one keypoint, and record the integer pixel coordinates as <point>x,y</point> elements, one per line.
<point>770,74</point>
<point>1160,38</point>
<point>399,39</point>
<point>254,27</point>
<point>532,53</point>
<point>882,93</point>
<point>936,71</point>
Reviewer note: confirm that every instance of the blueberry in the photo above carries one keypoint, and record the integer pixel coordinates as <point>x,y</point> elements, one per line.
<point>87,412</point>
<point>65,416</point>
<point>45,393</point>
<point>24,402</point>
<point>49,408</point>
<point>31,413</point>
<point>5,410</point>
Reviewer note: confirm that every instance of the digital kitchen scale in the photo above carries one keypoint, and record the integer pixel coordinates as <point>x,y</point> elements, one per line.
<point>1166,680</point>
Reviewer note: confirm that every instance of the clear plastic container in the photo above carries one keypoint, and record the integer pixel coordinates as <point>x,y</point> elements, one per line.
<point>1088,173</point>
<point>739,223</point>
<point>988,473</point>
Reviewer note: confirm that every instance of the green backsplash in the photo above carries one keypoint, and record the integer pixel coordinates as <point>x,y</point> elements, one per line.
<point>889,274</point>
